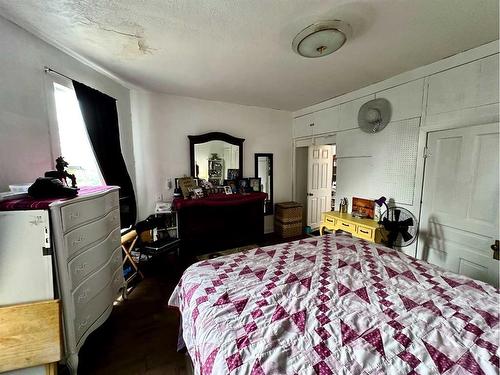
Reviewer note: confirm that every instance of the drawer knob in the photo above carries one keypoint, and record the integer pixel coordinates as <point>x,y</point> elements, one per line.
<point>363,231</point>
<point>345,225</point>
<point>81,268</point>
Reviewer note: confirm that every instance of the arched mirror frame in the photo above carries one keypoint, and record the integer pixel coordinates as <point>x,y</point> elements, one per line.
<point>214,136</point>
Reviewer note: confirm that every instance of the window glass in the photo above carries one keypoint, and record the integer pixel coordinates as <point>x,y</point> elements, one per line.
<point>74,140</point>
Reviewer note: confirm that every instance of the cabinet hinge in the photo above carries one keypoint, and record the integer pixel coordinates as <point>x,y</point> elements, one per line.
<point>427,152</point>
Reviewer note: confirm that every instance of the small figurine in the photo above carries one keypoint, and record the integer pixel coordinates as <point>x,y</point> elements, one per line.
<point>61,174</point>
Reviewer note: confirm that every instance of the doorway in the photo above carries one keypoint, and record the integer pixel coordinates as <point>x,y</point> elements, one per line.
<point>315,181</point>
<point>460,201</point>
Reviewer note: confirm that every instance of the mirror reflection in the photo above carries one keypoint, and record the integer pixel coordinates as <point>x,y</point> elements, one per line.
<point>264,170</point>
<point>216,161</point>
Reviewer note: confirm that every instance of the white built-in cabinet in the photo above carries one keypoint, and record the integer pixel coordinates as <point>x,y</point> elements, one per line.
<point>349,112</point>
<point>406,100</point>
<point>303,126</point>
<point>467,86</point>
<point>327,120</point>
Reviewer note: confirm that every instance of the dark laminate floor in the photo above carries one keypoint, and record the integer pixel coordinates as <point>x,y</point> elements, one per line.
<point>140,336</point>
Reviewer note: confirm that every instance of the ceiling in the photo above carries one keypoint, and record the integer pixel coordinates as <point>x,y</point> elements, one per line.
<point>240,51</point>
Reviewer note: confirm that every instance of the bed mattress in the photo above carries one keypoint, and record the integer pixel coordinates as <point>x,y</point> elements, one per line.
<point>335,305</point>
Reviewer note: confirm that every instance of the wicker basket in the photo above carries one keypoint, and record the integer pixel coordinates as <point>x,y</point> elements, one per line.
<point>288,219</point>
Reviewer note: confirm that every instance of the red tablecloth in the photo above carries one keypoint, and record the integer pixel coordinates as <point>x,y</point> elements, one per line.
<point>219,200</point>
<point>29,203</point>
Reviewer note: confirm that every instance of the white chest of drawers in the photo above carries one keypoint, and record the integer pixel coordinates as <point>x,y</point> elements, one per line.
<point>81,247</point>
<point>86,238</point>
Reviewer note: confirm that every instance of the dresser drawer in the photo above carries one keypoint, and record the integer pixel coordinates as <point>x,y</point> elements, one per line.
<point>345,226</point>
<point>81,237</point>
<point>76,214</point>
<point>364,232</point>
<point>88,314</point>
<point>92,286</point>
<point>329,221</point>
<point>94,258</point>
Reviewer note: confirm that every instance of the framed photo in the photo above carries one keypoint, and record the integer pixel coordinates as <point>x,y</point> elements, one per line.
<point>228,190</point>
<point>195,180</point>
<point>232,184</point>
<point>233,174</point>
<point>243,185</point>
<point>254,183</point>
<point>198,192</point>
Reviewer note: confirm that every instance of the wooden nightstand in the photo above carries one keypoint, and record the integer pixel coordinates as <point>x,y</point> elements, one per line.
<point>367,229</point>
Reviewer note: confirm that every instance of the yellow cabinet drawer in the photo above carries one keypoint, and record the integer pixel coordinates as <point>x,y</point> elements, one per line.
<point>365,232</point>
<point>346,227</point>
<point>328,221</point>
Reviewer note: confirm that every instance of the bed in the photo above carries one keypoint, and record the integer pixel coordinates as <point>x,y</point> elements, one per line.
<point>335,305</point>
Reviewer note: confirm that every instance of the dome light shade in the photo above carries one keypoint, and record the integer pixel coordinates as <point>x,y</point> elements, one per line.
<point>321,39</point>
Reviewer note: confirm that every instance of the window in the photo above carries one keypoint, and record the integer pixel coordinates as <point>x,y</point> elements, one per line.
<point>74,141</point>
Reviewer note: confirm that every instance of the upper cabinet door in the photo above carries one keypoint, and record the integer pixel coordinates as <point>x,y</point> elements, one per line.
<point>327,120</point>
<point>467,86</point>
<point>349,112</point>
<point>303,126</point>
<point>406,100</point>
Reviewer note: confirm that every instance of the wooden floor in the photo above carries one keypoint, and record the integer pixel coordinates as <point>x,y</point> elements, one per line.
<point>140,336</point>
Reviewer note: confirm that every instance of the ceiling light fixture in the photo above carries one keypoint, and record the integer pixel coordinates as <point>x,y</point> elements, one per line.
<point>321,38</point>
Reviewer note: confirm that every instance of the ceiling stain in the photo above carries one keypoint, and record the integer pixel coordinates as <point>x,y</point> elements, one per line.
<point>106,18</point>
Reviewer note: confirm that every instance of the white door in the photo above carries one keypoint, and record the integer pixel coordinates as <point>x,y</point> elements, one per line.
<point>319,183</point>
<point>459,220</point>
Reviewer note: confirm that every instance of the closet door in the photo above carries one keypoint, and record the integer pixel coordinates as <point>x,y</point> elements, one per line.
<point>459,220</point>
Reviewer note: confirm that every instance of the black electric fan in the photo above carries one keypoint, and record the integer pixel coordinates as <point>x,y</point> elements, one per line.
<point>400,225</point>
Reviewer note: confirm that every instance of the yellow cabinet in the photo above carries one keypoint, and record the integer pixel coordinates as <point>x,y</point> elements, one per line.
<point>366,229</point>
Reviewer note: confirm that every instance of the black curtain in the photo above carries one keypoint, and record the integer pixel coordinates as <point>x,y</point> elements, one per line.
<point>101,119</point>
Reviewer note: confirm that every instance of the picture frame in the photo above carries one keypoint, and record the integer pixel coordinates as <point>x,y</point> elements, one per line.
<point>233,174</point>
<point>232,184</point>
<point>255,184</point>
<point>243,185</point>
<point>176,181</point>
<point>187,185</point>
<point>198,192</point>
<point>228,190</point>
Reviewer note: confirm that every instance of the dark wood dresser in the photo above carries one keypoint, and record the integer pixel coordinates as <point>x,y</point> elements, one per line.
<point>220,222</point>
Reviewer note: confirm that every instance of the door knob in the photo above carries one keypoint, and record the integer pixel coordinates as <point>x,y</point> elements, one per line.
<point>309,194</point>
<point>496,250</point>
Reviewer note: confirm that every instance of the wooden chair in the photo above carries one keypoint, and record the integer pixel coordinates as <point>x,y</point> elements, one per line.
<point>129,241</point>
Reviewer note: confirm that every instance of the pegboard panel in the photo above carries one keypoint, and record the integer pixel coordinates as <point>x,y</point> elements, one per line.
<point>372,165</point>
<point>396,160</point>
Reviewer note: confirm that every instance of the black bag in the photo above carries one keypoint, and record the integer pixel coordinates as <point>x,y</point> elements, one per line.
<point>47,187</point>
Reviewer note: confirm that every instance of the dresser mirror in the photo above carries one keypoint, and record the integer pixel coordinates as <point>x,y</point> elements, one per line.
<point>216,157</point>
<point>264,171</point>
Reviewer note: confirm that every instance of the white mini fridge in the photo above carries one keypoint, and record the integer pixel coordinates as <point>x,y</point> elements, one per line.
<point>26,264</point>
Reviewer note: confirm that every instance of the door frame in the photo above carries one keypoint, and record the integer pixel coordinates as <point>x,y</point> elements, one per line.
<point>306,142</point>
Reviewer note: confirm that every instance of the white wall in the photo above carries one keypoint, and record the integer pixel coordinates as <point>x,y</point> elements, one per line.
<point>163,122</point>
<point>459,91</point>
<point>25,143</point>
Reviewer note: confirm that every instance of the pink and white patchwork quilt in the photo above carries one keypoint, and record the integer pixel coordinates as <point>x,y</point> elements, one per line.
<point>335,305</point>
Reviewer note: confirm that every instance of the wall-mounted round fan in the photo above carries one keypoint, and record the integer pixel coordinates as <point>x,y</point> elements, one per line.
<point>401,226</point>
<point>374,115</point>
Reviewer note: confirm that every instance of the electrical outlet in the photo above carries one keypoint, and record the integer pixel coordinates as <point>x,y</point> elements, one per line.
<point>169,184</point>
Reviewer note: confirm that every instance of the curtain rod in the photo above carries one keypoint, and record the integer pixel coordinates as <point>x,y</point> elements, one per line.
<point>46,69</point>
